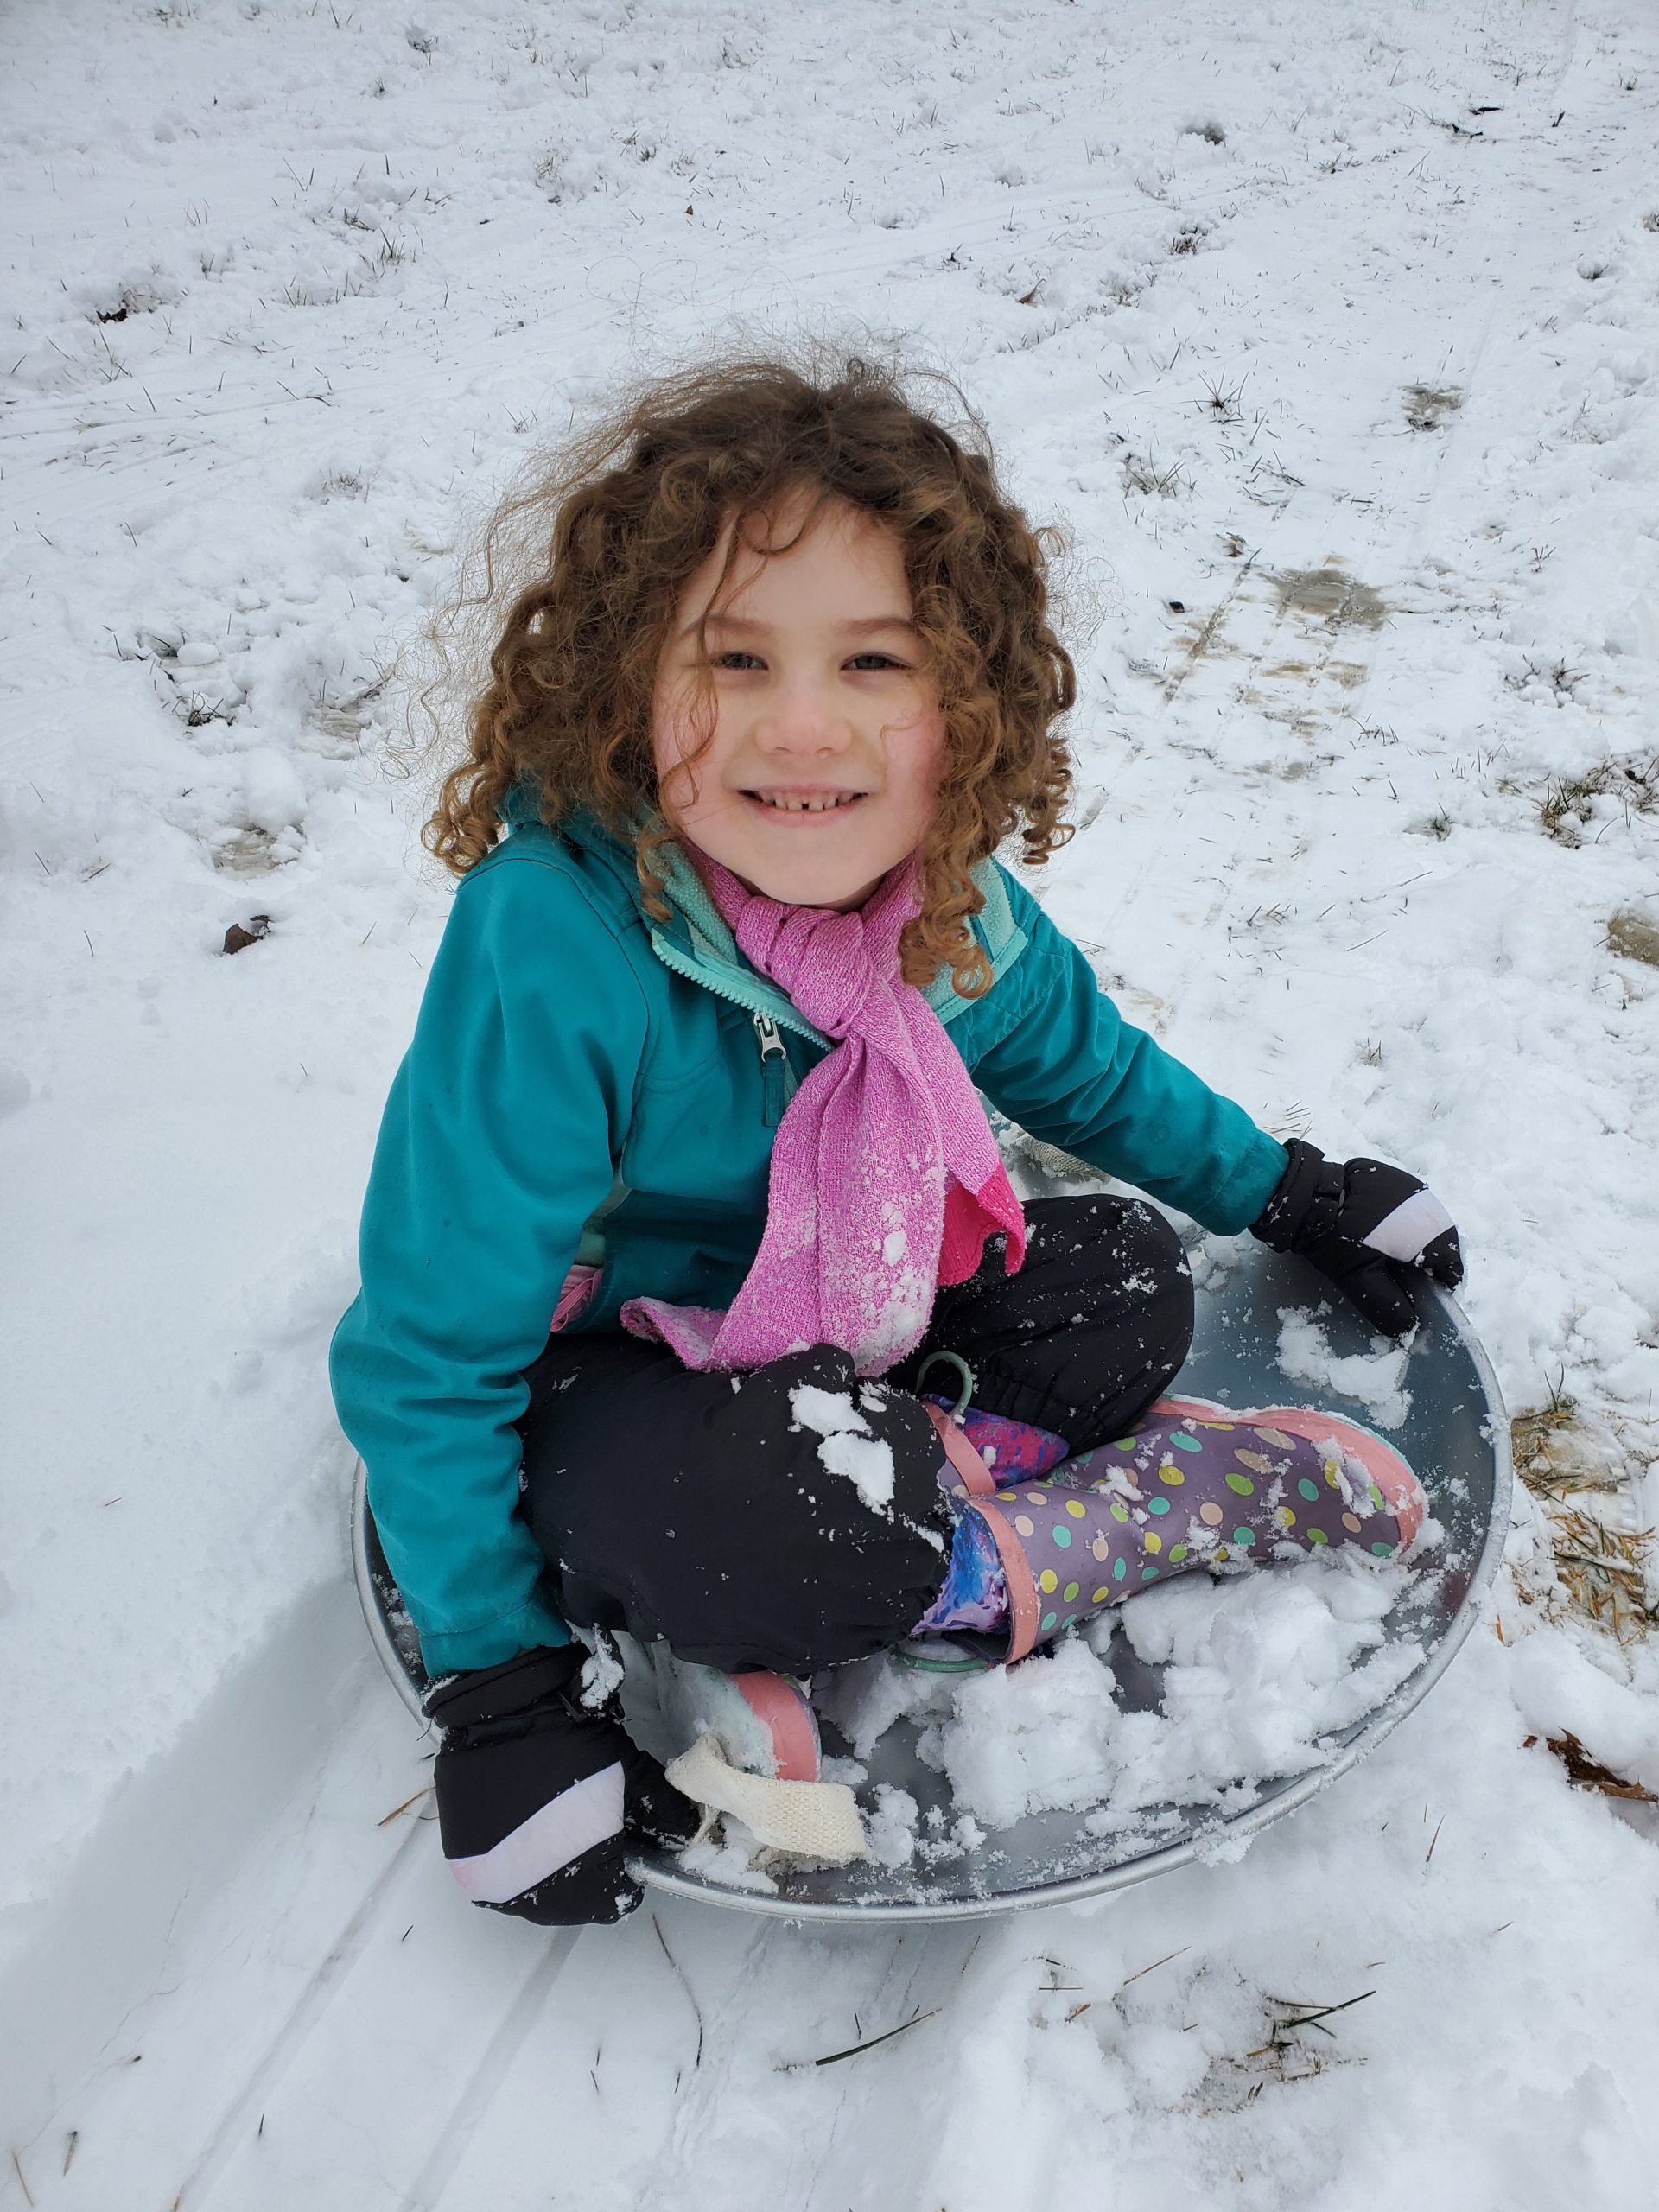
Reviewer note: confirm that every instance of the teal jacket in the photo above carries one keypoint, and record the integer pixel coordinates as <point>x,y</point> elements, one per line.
<point>586,1084</point>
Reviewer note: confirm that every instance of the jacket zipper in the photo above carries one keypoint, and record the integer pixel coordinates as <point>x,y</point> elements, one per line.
<point>733,992</point>
<point>774,1066</point>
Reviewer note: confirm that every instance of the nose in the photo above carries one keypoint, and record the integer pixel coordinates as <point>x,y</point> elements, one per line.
<point>800,718</point>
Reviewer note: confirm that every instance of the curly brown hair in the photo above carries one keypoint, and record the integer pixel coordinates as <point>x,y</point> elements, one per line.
<point>582,567</point>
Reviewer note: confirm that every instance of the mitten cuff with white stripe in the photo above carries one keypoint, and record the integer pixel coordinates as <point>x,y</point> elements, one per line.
<point>537,1797</point>
<point>1360,1221</point>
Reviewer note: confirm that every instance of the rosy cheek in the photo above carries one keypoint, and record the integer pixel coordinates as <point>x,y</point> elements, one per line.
<point>922,744</point>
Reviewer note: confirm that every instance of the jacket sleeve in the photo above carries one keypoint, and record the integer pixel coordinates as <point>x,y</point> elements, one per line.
<point>499,1140</point>
<point>1060,1060</point>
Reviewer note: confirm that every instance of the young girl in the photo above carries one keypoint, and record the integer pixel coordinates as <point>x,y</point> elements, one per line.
<point>695,1075</point>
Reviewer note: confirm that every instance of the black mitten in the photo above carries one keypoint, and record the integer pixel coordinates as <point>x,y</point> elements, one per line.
<point>1362,1223</point>
<point>538,1796</point>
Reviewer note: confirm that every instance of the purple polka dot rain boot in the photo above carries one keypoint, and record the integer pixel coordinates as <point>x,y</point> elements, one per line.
<point>1193,1485</point>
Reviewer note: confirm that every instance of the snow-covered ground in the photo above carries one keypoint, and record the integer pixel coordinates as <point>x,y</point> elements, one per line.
<point>1333,335</point>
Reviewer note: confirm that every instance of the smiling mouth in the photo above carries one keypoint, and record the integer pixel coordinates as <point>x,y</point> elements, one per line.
<point>806,802</point>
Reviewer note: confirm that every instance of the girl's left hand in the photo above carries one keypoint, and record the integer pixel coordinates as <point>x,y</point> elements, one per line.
<point>1362,1221</point>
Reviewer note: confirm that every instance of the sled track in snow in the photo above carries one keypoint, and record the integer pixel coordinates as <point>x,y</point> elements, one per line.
<point>266,2074</point>
<point>485,2083</point>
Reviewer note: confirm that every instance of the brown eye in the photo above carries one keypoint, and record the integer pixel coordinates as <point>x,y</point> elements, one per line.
<point>736,660</point>
<point>874,662</point>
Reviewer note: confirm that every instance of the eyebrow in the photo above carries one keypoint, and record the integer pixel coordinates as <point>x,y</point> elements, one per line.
<point>864,626</point>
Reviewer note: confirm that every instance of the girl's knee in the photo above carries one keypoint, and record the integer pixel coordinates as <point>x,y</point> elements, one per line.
<point>792,1526</point>
<point>1156,1249</point>
<point>1126,1249</point>
<point>1143,1235</point>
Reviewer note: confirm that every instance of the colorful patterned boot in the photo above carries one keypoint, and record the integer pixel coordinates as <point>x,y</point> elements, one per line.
<point>1009,1447</point>
<point>1194,1486</point>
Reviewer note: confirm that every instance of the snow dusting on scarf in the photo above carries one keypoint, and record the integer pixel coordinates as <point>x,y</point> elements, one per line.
<point>886,1179</point>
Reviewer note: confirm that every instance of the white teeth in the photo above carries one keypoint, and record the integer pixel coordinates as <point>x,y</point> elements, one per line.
<point>809,805</point>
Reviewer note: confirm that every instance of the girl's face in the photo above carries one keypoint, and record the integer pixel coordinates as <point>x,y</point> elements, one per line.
<point>821,773</point>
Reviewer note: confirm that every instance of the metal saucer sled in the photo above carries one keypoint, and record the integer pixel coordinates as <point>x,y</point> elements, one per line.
<point>1455,1435</point>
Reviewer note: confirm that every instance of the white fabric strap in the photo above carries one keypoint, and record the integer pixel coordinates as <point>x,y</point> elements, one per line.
<point>1413,1225</point>
<point>555,1833</point>
<point>810,1820</point>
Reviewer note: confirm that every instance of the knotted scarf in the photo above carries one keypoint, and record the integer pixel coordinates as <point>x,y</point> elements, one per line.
<point>886,1180</point>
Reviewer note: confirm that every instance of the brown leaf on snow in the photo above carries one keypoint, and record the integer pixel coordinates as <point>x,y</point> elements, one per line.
<point>1585,1773</point>
<point>239,935</point>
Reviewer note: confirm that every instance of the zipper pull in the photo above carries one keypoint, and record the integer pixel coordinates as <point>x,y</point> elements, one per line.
<point>774,1064</point>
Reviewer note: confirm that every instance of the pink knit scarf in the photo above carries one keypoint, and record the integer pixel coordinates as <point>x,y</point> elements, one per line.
<point>886,1179</point>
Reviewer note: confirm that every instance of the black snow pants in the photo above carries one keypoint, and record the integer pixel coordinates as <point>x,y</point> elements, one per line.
<point>697,1508</point>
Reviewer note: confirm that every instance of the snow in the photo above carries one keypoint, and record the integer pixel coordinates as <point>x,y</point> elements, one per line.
<point>1346,397</point>
<point>730,1861</point>
<point>847,1447</point>
<point>890,1831</point>
<point>1375,1378</point>
<point>601,1674</point>
<point>1262,1668</point>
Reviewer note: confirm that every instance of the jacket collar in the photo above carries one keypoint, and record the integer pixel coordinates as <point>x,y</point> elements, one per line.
<point>695,941</point>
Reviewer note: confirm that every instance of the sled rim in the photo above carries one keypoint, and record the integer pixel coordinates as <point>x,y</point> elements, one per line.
<point>368,1566</point>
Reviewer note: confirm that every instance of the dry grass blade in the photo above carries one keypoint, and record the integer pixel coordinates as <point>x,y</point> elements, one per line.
<point>1305,2017</point>
<point>691,1994</point>
<point>386,1819</point>
<point>852,2051</point>
<point>1154,1967</point>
